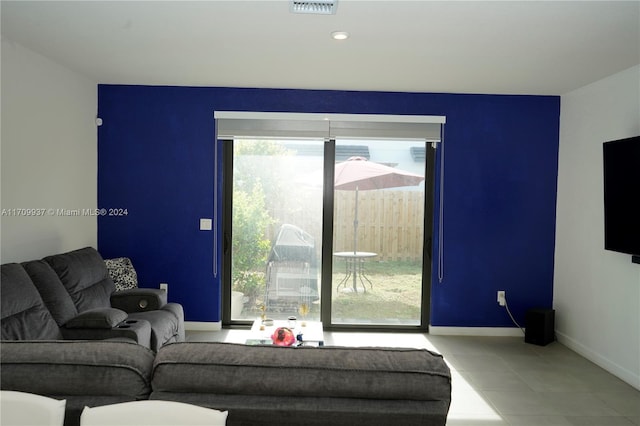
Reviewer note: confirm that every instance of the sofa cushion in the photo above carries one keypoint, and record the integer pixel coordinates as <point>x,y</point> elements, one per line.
<point>98,318</point>
<point>24,314</point>
<point>122,273</point>
<point>53,293</point>
<point>77,368</point>
<point>84,275</point>
<point>336,372</point>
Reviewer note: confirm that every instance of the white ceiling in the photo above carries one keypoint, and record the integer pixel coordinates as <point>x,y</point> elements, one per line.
<point>511,47</point>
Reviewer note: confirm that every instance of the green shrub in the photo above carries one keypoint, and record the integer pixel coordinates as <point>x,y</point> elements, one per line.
<point>250,248</point>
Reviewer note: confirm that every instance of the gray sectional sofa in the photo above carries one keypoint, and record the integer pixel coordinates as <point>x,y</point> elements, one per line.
<point>66,334</point>
<point>71,296</point>
<point>257,385</point>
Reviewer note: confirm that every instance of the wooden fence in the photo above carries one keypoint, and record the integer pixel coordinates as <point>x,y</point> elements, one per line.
<point>390,223</point>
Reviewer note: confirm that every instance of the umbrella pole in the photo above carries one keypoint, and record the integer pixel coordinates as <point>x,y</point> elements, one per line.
<point>355,242</point>
<point>355,225</point>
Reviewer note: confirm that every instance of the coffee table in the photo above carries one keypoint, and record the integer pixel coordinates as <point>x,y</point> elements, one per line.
<point>312,332</point>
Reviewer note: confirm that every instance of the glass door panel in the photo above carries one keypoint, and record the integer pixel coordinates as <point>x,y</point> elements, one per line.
<point>276,229</point>
<point>378,231</point>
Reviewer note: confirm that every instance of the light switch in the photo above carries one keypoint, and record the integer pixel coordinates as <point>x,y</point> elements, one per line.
<point>206,224</point>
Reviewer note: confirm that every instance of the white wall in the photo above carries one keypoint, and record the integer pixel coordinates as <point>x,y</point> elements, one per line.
<point>48,153</point>
<point>596,292</point>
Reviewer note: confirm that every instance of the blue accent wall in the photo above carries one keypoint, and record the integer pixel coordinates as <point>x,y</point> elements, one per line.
<point>156,159</point>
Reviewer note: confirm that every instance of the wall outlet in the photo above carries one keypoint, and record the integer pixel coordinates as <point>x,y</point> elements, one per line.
<point>165,287</point>
<point>502,297</point>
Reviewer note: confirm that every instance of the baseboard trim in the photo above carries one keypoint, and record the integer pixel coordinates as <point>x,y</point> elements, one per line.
<point>202,326</point>
<point>622,373</point>
<point>476,331</point>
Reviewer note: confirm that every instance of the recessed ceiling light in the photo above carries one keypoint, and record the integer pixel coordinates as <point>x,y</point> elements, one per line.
<point>340,35</point>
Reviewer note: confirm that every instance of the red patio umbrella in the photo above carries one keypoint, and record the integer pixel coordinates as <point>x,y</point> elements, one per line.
<point>357,173</point>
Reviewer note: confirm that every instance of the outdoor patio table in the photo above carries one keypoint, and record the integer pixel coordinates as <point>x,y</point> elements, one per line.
<point>354,264</point>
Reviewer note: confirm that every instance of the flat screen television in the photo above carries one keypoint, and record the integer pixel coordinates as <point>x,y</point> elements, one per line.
<point>622,196</point>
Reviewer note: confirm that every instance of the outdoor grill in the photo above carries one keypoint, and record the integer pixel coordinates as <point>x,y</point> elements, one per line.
<point>292,273</point>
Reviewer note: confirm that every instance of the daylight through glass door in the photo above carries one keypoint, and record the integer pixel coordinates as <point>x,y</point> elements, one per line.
<point>376,248</point>
<point>276,229</point>
<point>378,232</point>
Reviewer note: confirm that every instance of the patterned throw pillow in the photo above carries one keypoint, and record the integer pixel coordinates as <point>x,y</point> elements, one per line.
<point>122,273</point>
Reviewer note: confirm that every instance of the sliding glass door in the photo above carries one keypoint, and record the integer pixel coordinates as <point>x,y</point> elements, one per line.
<point>276,228</point>
<point>329,217</point>
<point>364,199</point>
<point>378,233</point>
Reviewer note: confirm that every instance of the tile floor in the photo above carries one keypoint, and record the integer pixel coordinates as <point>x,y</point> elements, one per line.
<point>504,381</point>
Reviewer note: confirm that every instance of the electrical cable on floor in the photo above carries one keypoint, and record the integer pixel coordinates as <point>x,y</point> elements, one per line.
<point>506,305</point>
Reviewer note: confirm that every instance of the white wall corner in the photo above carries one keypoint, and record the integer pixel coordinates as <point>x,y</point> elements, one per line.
<point>617,370</point>
<point>596,293</point>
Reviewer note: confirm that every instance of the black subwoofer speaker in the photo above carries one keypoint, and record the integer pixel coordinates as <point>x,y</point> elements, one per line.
<point>539,326</point>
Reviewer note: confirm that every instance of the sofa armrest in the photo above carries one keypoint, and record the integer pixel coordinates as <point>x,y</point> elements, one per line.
<point>97,318</point>
<point>139,299</point>
<point>135,330</point>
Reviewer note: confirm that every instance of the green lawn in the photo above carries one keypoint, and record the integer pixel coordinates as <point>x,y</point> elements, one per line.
<point>395,295</point>
<point>393,298</point>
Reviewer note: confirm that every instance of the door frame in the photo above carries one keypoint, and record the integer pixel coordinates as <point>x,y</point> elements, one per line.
<point>327,243</point>
<point>327,247</point>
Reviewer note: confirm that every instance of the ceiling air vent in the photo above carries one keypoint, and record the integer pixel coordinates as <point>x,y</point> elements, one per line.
<point>326,7</point>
